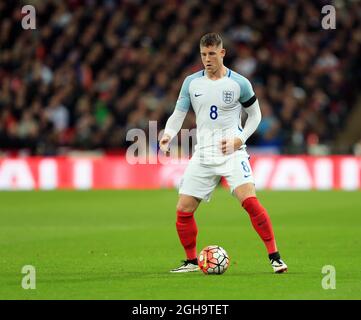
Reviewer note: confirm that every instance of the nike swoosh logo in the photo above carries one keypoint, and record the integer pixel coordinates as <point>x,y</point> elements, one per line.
<point>197,95</point>
<point>247,175</point>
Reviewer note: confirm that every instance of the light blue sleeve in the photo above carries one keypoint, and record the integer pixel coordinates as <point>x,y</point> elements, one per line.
<point>246,91</point>
<point>245,87</point>
<point>184,100</point>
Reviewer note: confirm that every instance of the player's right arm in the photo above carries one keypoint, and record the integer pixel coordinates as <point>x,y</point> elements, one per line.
<point>175,121</point>
<point>172,128</point>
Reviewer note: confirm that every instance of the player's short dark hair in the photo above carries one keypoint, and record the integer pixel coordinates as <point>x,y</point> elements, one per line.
<point>211,39</point>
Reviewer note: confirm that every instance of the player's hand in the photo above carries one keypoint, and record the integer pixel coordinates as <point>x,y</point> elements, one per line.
<point>230,145</point>
<point>164,144</point>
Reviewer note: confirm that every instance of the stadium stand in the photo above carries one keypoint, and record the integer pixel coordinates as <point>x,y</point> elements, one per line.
<point>92,70</point>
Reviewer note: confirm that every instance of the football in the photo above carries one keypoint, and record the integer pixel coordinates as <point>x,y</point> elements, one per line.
<point>213,260</point>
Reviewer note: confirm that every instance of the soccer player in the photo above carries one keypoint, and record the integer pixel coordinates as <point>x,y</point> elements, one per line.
<point>217,95</point>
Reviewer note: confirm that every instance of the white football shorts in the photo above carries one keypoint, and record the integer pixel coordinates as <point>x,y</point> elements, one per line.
<point>200,179</point>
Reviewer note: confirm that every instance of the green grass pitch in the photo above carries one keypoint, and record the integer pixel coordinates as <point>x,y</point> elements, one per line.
<point>121,245</point>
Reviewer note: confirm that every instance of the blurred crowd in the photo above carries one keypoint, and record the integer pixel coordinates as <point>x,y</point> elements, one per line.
<point>92,70</point>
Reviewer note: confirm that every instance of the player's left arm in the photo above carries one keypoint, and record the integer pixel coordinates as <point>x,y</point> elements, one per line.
<point>250,104</point>
<point>254,118</point>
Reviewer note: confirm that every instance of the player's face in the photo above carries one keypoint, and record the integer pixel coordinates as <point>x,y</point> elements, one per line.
<point>212,58</point>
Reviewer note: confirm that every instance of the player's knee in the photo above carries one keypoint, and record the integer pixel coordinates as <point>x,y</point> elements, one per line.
<point>185,207</point>
<point>244,191</point>
<point>187,203</point>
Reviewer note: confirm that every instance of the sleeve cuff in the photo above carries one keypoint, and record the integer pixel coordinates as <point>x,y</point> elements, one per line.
<point>242,136</point>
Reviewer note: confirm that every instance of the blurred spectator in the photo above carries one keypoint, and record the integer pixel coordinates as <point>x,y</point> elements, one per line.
<point>269,127</point>
<point>357,148</point>
<point>57,113</point>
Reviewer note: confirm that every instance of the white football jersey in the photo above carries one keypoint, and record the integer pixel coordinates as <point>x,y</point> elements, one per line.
<point>217,105</point>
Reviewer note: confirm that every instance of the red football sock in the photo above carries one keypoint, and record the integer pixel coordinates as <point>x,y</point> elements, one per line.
<point>187,232</point>
<point>261,222</point>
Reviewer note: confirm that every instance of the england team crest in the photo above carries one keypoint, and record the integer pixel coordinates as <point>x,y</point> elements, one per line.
<point>228,96</point>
